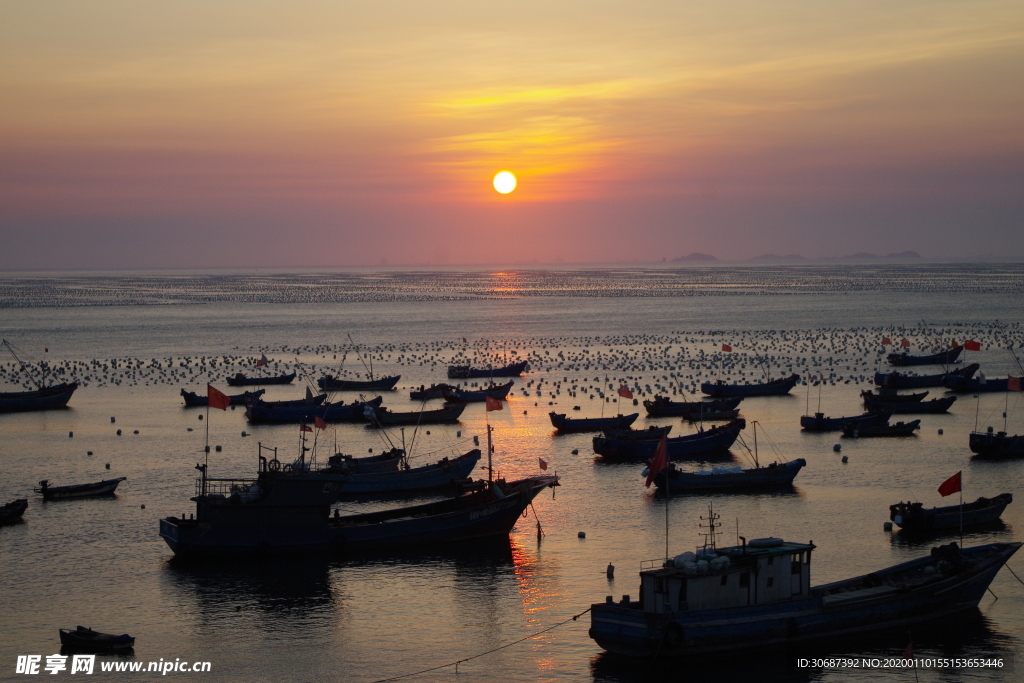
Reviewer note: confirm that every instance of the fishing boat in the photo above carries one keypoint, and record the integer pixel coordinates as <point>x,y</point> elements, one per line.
<point>468,372</point>
<point>899,380</point>
<point>332,383</point>
<point>712,415</point>
<point>819,423</point>
<point>291,513</point>
<point>915,517</point>
<point>433,391</point>
<point>309,400</point>
<point>976,385</point>
<point>662,406</point>
<point>728,478</point>
<point>241,380</point>
<point>42,397</point>
<point>86,640</point>
<point>649,434</point>
<point>192,399</point>
<point>996,445</point>
<point>12,512</point>
<point>568,425</point>
<point>945,357</point>
<point>388,461</point>
<point>887,395</point>
<point>263,412</point>
<point>936,405</point>
<point>874,430</point>
<point>775,387</point>
<point>499,392</point>
<point>758,595</point>
<point>715,439</point>
<point>387,418</point>
<point>106,487</point>
<point>446,473</point>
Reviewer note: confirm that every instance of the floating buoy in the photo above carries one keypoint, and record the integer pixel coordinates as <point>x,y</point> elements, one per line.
<point>206,449</point>
<point>458,434</point>
<point>887,526</point>
<point>136,431</point>
<point>581,534</point>
<point>244,433</point>
<point>71,435</point>
<point>940,432</point>
<point>111,419</point>
<point>217,448</point>
<point>575,451</point>
<point>610,571</point>
<point>88,452</point>
<point>143,506</point>
<point>845,459</point>
<point>119,432</point>
<point>200,417</point>
<point>189,429</point>
<point>838,447</point>
<point>108,465</point>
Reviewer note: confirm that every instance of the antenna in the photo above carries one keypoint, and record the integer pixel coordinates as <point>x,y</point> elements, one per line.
<point>711,519</point>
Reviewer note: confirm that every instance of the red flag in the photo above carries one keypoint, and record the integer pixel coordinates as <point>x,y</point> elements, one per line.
<point>464,341</point>
<point>972,345</point>
<point>886,341</point>
<point>909,652</point>
<point>951,485</point>
<point>216,399</point>
<point>320,424</point>
<point>1013,383</point>
<point>543,465</point>
<point>46,350</point>
<point>492,404</point>
<point>624,391</point>
<point>262,361</point>
<point>305,427</point>
<point>954,344</point>
<point>905,343</point>
<point>658,462</point>
<point>726,348</point>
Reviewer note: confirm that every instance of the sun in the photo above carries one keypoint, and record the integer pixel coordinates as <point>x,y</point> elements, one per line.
<point>504,182</point>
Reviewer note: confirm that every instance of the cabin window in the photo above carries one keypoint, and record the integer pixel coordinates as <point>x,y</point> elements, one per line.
<point>659,585</point>
<point>795,568</point>
<point>725,579</point>
<point>682,594</point>
<point>745,580</point>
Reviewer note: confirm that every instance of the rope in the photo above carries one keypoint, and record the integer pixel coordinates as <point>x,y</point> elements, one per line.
<point>1014,574</point>
<point>500,647</point>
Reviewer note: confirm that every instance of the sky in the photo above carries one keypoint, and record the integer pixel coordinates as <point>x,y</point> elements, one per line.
<point>331,133</point>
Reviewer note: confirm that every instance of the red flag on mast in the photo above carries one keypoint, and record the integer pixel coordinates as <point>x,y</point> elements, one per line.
<point>905,343</point>
<point>318,421</point>
<point>262,361</point>
<point>1013,383</point>
<point>971,345</point>
<point>543,464</point>
<point>305,427</point>
<point>658,462</point>
<point>951,485</point>
<point>216,399</point>
<point>624,391</point>
<point>886,341</point>
<point>726,348</point>
<point>493,404</point>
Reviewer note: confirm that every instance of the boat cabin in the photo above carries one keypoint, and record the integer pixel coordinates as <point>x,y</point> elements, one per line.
<point>764,571</point>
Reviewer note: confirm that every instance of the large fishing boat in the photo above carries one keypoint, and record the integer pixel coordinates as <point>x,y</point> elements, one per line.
<point>759,595</point>
<point>996,445</point>
<point>941,358</point>
<point>899,380</point>
<point>332,383</point>
<point>716,439</point>
<point>775,387</point>
<point>242,380</point>
<point>911,516</point>
<point>566,425</point>
<point>262,411</point>
<point>40,398</point>
<point>662,406</point>
<point>467,372</point>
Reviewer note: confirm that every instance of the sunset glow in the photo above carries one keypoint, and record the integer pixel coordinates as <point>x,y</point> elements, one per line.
<point>504,182</point>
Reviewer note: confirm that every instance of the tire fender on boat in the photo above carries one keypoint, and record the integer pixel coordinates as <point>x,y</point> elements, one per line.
<point>274,465</point>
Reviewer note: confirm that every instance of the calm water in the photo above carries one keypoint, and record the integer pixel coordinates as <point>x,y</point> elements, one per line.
<point>100,563</point>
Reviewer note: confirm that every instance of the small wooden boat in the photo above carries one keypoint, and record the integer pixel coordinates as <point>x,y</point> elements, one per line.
<point>45,398</point>
<point>727,478</point>
<point>715,439</point>
<point>819,423</point>
<point>331,383</point>
<point>387,461</point>
<point>499,392</point>
<point>652,433</point>
<point>996,445</point>
<point>662,406</point>
<point>871,430</point>
<point>467,372</point>
<point>310,400</point>
<point>887,395</point>
<point>712,415</point>
<point>936,405</point>
<point>776,387</point>
<point>99,488</point>
<point>241,380</point>
<point>12,512</point>
<point>941,358</point>
<point>192,399</point>
<point>449,413</point>
<point>568,425</point>
<point>720,601</point>
<point>261,411</point>
<point>915,517</point>
<point>87,640</point>
<point>899,380</point>
<point>433,391</point>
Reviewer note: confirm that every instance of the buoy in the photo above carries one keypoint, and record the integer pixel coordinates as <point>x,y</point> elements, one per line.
<point>88,452</point>
<point>108,465</point>
<point>218,449</point>
<point>575,451</point>
<point>119,432</point>
<point>581,534</point>
<point>189,429</point>
<point>244,433</point>
<point>458,434</point>
<point>136,431</point>
<point>428,432</point>
<point>845,459</point>
<point>940,432</point>
<point>200,417</point>
<point>887,526</point>
<point>610,571</point>
<point>206,449</point>
<point>111,419</point>
<point>838,447</point>
<point>71,435</point>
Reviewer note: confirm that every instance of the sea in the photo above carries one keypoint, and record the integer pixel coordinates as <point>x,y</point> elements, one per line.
<point>514,611</point>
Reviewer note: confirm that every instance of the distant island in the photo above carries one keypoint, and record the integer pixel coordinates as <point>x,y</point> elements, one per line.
<point>697,257</point>
<point>694,258</point>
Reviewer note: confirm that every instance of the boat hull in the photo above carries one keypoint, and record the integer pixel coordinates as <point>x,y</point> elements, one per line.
<point>936,405</point>
<point>194,400</point>
<point>941,358</point>
<point>499,392</point>
<point>48,398</point>
<point>998,445</point>
<point>628,630</point>
<point>774,388</point>
<point>106,487</point>
<point>711,441</point>
<point>916,518</point>
<point>450,413</point>
<point>262,412</point>
<point>759,478</point>
<point>467,372</point>
<point>897,380</point>
<point>243,381</point>
<point>329,383</point>
<point>665,407</point>
<point>569,425</point>
<point>820,423</point>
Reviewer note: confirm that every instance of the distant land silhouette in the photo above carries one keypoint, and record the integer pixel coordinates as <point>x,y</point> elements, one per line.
<point>697,257</point>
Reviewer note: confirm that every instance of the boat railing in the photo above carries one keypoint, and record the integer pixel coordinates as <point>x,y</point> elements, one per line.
<point>652,564</point>
<point>226,487</point>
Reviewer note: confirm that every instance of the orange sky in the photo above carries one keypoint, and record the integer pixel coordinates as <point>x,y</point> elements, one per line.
<point>354,133</point>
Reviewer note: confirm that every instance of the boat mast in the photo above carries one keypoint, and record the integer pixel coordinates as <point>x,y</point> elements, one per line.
<point>22,364</point>
<point>756,463</point>
<point>490,449</point>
